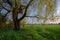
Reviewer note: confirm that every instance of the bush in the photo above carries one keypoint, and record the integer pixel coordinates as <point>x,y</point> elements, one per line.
<point>59,23</point>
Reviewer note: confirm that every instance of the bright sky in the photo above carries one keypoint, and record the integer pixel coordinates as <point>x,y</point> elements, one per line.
<point>58,7</point>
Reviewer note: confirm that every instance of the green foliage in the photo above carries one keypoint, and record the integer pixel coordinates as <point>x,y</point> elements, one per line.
<point>34,32</point>
<point>22,23</point>
<point>49,10</point>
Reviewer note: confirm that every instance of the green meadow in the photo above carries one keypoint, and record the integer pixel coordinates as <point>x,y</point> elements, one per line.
<point>31,32</point>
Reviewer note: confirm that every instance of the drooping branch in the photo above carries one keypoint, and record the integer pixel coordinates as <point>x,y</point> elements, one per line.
<point>25,11</point>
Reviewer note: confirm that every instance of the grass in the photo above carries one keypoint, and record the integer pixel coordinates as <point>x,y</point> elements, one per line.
<point>32,32</point>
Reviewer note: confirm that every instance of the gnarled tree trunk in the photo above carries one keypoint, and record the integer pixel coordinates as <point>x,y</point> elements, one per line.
<point>15,19</point>
<point>16,25</point>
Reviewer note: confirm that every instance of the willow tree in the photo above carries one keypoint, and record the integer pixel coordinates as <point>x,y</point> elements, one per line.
<point>17,7</point>
<point>49,7</point>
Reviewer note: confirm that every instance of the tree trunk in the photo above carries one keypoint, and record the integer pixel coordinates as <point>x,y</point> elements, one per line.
<point>15,20</point>
<point>16,25</point>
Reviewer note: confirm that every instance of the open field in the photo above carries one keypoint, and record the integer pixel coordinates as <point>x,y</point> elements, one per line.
<point>32,32</point>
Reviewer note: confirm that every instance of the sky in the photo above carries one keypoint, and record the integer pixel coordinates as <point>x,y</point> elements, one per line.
<point>58,7</point>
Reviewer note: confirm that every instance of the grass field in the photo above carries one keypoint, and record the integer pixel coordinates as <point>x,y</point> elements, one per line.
<point>32,32</point>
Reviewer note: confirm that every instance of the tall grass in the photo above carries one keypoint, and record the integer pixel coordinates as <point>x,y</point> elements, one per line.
<point>32,32</point>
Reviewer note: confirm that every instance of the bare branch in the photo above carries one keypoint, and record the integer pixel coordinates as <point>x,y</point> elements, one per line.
<point>32,16</point>
<point>10,3</point>
<point>5,9</point>
<point>5,15</point>
<point>25,11</point>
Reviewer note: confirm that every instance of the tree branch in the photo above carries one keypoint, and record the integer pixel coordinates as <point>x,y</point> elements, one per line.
<point>32,16</point>
<point>25,11</point>
<point>35,17</point>
<point>3,7</point>
<point>10,3</point>
<point>6,13</point>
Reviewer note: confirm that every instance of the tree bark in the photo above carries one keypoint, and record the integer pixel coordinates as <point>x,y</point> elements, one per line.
<point>16,25</point>
<point>15,20</point>
<point>15,15</point>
